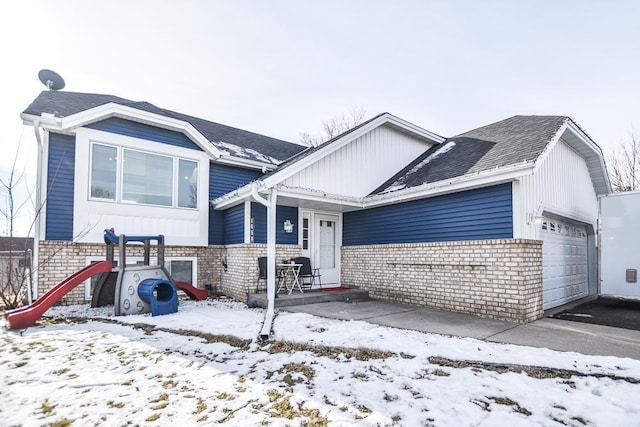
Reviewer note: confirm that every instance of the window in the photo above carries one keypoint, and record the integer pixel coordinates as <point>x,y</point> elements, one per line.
<point>147,178</point>
<point>187,184</point>
<point>104,172</point>
<point>305,233</point>
<point>132,176</point>
<point>181,270</point>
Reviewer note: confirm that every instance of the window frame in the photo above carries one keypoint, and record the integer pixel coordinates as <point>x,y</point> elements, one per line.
<point>119,196</point>
<point>118,162</point>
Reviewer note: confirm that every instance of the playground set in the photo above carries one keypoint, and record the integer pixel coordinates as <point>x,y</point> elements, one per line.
<point>132,289</point>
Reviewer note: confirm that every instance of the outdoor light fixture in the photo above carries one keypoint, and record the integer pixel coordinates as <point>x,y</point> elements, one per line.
<point>288,226</point>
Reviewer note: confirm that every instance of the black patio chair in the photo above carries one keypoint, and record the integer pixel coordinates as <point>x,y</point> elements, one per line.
<point>308,275</point>
<point>262,275</point>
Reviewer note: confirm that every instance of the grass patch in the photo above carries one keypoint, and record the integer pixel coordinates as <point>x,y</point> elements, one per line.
<point>305,370</point>
<point>46,408</point>
<point>508,402</point>
<point>152,418</point>
<point>163,397</point>
<point>65,422</point>
<point>281,407</point>
<point>538,372</point>
<point>200,406</point>
<point>112,404</point>
<point>360,353</point>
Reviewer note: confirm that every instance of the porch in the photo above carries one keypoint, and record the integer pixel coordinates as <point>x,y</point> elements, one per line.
<point>311,296</point>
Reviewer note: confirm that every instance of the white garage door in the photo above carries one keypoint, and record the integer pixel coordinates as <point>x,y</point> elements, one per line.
<point>564,262</point>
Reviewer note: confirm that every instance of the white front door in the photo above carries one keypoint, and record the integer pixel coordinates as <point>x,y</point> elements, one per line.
<point>321,238</point>
<point>326,247</point>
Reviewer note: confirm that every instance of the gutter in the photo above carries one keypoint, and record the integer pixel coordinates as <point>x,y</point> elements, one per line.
<point>465,182</point>
<point>31,295</point>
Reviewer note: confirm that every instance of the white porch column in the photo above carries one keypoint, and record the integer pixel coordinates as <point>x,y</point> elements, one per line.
<point>271,257</point>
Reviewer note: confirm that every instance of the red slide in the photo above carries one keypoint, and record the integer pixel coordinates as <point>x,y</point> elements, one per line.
<point>194,293</point>
<point>27,316</point>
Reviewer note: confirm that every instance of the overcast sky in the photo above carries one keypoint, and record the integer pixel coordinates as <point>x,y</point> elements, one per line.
<point>282,67</point>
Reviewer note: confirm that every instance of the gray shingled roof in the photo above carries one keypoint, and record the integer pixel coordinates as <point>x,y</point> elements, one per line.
<point>223,137</point>
<point>508,142</point>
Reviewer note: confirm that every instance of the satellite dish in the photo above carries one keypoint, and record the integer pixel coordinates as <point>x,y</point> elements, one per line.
<point>51,79</point>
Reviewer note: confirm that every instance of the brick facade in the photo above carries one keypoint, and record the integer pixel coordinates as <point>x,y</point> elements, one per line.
<point>500,279</point>
<point>241,274</point>
<point>58,260</point>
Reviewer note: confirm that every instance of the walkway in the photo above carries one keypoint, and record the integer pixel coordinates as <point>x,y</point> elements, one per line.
<point>550,333</point>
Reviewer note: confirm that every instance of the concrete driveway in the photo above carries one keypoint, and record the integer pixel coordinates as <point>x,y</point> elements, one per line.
<point>550,333</point>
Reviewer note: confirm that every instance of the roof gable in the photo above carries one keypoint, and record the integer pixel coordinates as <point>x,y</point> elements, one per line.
<point>313,154</point>
<point>516,141</point>
<point>225,140</point>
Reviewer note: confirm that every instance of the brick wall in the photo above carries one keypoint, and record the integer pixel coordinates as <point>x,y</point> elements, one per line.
<point>242,267</point>
<point>58,260</point>
<point>500,279</point>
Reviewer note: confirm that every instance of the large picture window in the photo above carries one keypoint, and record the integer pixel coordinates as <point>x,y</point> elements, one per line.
<point>131,176</point>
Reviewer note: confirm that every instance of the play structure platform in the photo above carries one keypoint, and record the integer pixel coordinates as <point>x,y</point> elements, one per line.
<point>133,289</point>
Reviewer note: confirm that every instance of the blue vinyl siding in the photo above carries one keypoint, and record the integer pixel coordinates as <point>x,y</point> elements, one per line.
<point>484,213</point>
<point>216,227</point>
<point>142,131</point>
<point>283,213</point>
<point>60,186</point>
<point>223,179</point>
<point>233,224</point>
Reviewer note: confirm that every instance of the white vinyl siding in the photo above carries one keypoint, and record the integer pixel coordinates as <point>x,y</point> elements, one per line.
<point>363,165</point>
<point>561,185</point>
<point>180,223</point>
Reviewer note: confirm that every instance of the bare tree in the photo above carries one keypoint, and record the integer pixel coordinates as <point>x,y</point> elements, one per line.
<point>624,165</point>
<point>15,263</point>
<point>16,269</point>
<point>334,127</point>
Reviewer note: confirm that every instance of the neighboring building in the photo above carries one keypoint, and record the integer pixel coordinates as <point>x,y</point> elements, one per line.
<point>390,207</point>
<point>15,267</point>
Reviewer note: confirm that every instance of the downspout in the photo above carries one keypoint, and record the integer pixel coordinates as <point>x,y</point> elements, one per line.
<point>31,295</point>
<point>271,257</point>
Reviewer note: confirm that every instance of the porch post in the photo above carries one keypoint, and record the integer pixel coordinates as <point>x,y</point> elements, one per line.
<point>271,251</point>
<point>271,256</point>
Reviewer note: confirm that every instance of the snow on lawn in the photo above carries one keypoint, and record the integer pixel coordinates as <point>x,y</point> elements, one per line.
<point>203,366</point>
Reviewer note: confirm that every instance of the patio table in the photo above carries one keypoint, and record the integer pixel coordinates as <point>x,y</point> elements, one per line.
<point>289,274</point>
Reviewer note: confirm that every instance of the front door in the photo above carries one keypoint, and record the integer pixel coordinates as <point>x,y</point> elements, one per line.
<point>327,248</point>
<point>321,240</point>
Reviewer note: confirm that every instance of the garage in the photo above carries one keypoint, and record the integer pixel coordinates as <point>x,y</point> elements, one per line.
<point>565,262</point>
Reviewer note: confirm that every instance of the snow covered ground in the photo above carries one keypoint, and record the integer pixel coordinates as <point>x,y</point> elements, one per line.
<point>203,366</point>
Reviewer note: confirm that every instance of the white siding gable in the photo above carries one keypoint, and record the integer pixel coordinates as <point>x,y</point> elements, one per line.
<point>561,185</point>
<point>361,166</point>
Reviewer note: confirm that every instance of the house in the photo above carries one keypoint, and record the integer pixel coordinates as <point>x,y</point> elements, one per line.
<point>499,221</point>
